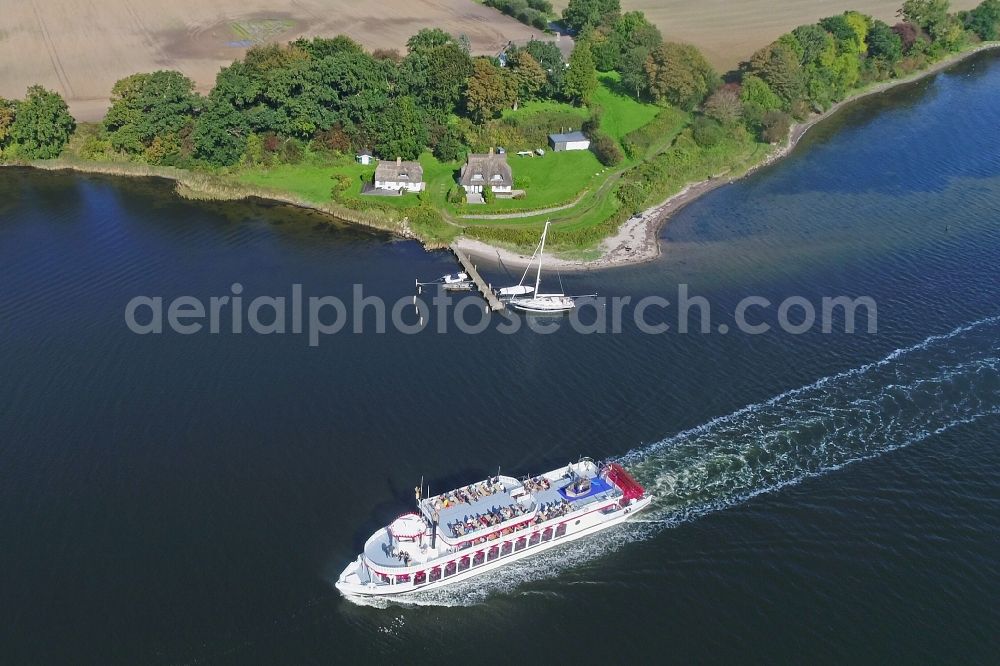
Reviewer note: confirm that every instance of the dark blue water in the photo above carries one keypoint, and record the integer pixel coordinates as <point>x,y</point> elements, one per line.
<point>820,497</point>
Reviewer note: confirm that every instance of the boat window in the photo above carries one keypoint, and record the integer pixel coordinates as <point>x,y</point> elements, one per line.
<point>435,574</point>
<point>507,548</point>
<point>463,564</point>
<point>493,554</point>
<point>449,569</point>
<point>521,543</point>
<point>561,530</point>
<point>479,558</point>
<point>535,539</point>
<point>547,534</point>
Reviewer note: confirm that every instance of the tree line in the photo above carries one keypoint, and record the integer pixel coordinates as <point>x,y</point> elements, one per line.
<point>331,94</point>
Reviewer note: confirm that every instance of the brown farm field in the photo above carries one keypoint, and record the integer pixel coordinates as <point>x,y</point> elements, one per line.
<point>729,31</point>
<point>81,47</point>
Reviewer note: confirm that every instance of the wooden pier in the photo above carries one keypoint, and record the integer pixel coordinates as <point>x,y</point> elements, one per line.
<point>482,287</point>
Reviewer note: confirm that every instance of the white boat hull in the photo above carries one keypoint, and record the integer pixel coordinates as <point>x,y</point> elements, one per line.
<point>350,583</point>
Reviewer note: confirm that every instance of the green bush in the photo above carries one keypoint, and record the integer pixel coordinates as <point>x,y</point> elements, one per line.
<point>606,150</point>
<point>706,132</point>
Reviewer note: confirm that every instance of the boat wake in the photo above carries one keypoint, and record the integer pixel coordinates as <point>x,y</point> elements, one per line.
<point>910,395</point>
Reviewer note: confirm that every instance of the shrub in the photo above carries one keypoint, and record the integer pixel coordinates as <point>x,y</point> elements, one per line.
<point>291,151</point>
<point>456,194</point>
<point>775,126</point>
<point>706,132</point>
<point>488,195</point>
<point>334,139</point>
<point>522,182</point>
<point>606,150</point>
<point>341,183</point>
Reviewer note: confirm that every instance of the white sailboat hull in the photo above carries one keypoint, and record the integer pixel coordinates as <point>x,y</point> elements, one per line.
<point>547,303</point>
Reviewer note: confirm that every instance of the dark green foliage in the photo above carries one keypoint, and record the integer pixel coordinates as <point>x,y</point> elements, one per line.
<point>436,76</point>
<point>632,195</point>
<point>488,195</point>
<point>341,183</point>
<point>322,47</point>
<point>813,40</point>
<point>427,39</point>
<point>847,39</point>
<point>582,14</point>
<point>147,106</point>
<point>42,124</point>
<point>525,11</point>
<point>605,149</point>
<point>550,59</point>
<point>456,194</point>
<point>580,81</point>
<point>778,65</point>
<point>984,20</point>
<point>400,130</point>
<point>883,43</point>
<point>220,135</point>
<point>446,143</point>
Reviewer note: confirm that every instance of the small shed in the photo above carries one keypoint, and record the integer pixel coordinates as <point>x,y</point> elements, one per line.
<point>569,141</point>
<point>365,157</point>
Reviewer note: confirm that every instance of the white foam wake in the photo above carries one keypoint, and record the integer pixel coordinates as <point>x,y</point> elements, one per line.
<point>911,394</point>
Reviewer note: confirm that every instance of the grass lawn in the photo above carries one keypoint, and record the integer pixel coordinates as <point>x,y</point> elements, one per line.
<point>553,180</point>
<point>312,179</point>
<point>622,113</point>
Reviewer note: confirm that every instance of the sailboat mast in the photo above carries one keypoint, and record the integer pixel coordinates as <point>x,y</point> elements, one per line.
<point>541,252</point>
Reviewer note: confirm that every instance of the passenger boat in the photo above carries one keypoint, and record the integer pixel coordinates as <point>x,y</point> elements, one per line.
<point>491,523</point>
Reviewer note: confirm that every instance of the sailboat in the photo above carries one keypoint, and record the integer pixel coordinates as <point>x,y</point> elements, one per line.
<point>539,302</point>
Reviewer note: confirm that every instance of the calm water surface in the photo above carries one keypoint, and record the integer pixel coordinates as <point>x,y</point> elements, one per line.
<point>820,498</point>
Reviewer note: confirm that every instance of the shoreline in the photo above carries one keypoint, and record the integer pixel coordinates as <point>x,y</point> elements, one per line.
<point>636,241</point>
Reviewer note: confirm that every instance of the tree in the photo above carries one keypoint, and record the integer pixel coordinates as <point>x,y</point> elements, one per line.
<point>42,124</point>
<point>885,44</point>
<point>908,34</point>
<point>778,65</point>
<point>529,77</point>
<point>679,74</point>
<point>582,14</point>
<point>633,70</point>
<point>843,32</point>
<point>984,20</point>
<point>724,105</point>
<point>775,126</point>
<point>813,40</point>
<point>147,106</point>
<point>580,81</point>
<point>427,39</point>
<point>322,47</point>
<point>220,133</point>
<point>550,58</point>
<point>932,16</point>
<point>488,91</point>
<point>436,76</point>
<point>8,111</point>
<point>859,24</point>
<point>757,98</point>
<point>400,131</point>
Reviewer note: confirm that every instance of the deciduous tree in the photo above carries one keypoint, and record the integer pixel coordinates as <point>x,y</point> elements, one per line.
<point>42,124</point>
<point>582,14</point>
<point>679,74</point>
